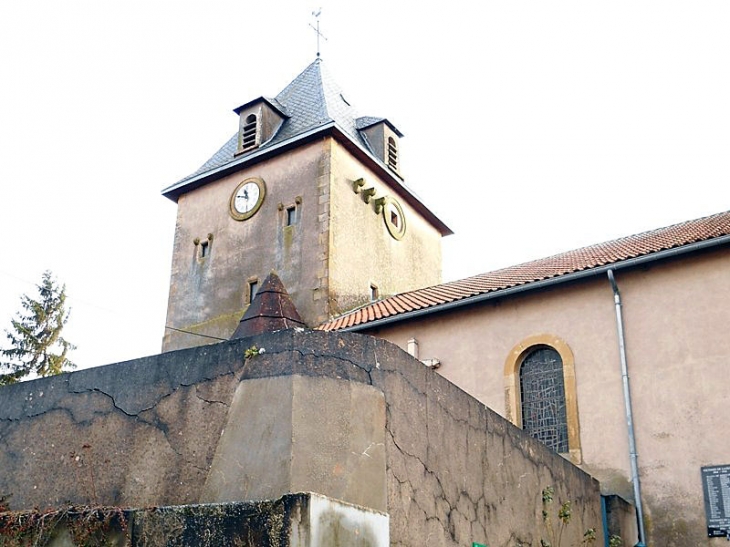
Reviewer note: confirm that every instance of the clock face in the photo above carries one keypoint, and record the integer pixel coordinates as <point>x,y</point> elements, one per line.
<point>247,198</point>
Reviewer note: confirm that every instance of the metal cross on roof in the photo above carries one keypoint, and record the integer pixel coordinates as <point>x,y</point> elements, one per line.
<point>316,14</point>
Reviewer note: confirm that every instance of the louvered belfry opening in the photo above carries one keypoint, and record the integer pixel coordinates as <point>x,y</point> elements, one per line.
<point>392,154</point>
<point>248,135</point>
<point>542,389</point>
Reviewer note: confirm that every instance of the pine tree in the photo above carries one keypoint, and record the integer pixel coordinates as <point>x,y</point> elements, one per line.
<point>36,344</point>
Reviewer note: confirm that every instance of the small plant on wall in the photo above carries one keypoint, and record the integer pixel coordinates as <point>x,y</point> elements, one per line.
<point>615,541</point>
<point>253,351</point>
<point>564,515</point>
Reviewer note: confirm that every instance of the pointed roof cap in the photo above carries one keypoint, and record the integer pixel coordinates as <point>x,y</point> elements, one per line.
<point>272,309</point>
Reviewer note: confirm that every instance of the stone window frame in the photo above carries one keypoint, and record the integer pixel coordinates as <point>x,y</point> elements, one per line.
<point>253,285</point>
<point>513,403</point>
<point>290,213</point>
<point>203,248</point>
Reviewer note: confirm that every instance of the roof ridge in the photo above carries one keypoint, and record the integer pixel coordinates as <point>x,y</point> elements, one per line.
<point>310,79</point>
<point>584,258</point>
<point>338,107</point>
<point>620,239</point>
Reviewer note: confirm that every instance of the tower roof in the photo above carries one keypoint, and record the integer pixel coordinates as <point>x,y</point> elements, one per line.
<point>312,105</point>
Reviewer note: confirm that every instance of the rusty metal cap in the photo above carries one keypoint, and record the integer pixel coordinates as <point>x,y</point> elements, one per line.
<point>272,309</point>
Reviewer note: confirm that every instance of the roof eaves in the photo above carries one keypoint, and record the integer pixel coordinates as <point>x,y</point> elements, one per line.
<point>542,283</point>
<point>173,191</point>
<point>396,183</point>
<point>365,122</point>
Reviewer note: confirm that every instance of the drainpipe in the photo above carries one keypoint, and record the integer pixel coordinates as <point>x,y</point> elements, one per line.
<point>629,414</point>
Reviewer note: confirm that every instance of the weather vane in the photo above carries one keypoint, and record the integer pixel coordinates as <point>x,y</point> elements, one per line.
<point>316,14</point>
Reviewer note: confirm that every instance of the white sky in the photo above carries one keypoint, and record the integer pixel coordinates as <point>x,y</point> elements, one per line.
<point>530,127</point>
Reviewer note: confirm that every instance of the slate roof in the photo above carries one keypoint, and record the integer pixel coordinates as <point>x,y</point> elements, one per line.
<point>311,100</point>
<point>651,244</point>
<point>368,121</point>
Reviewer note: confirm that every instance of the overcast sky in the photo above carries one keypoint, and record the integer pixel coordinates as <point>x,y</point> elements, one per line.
<point>530,128</point>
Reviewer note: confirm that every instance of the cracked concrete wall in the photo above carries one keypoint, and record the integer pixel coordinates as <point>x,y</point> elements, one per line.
<point>459,473</point>
<point>137,433</point>
<point>676,314</point>
<point>145,433</point>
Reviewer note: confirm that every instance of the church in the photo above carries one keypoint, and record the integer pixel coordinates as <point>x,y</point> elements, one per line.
<point>319,383</point>
<point>310,190</point>
<point>612,355</point>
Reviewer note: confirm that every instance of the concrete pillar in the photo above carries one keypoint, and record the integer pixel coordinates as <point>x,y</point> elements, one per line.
<point>302,434</point>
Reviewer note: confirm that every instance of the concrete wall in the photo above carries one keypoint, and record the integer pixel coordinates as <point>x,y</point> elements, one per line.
<point>294,520</point>
<point>165,430</point>
<point>676,315</point>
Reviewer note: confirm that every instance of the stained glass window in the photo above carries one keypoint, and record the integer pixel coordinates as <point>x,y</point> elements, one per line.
<point>543,398</point>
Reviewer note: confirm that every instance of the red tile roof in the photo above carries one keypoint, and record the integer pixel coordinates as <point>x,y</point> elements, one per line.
<point>586,258</point>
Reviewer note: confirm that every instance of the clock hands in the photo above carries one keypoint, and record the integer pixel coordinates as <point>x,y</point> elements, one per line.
<point>247,198</point>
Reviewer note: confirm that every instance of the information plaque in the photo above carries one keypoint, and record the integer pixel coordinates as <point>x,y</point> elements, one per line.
<point>716,486</point>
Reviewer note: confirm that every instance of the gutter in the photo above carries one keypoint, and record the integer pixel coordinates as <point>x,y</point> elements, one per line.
<point>633,456</point>
<point>543,283</point>
<point>259,154</point>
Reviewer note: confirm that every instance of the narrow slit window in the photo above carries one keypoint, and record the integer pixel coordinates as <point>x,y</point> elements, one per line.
<point>253,288</point>
<point>374,293</point>
<point>204,250</point>
<point>291,216</point>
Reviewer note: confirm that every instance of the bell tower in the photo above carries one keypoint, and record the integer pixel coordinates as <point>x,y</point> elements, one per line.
<point>305,188</point>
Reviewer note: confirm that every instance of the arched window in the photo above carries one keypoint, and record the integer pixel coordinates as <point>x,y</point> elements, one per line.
<point>248,133</point>
<point>540,393</point>
<point>542,398</point>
